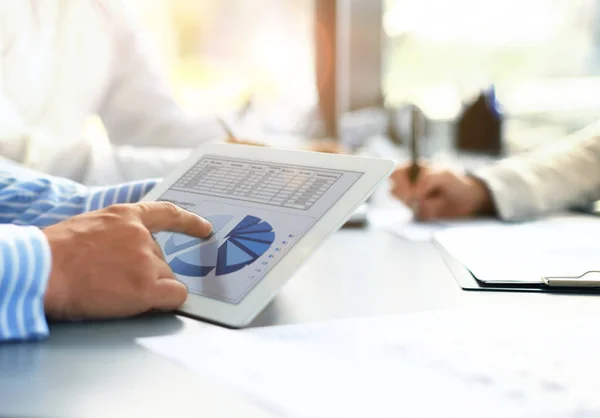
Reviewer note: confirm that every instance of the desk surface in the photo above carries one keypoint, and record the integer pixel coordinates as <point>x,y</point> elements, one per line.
<point>97,369</point>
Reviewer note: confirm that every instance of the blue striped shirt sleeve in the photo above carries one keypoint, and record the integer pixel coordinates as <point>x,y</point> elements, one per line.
<point>44,202</point>
<point>24,271</point>
<point>26,205</point>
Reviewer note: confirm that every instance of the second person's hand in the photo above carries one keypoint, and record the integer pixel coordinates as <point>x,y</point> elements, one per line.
<point>315,145</point>
<point>441,194</point>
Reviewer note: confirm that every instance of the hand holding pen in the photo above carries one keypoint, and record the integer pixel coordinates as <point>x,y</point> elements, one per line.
<point>233,138</point>
<point>434,194</point>
<point>440,193</point>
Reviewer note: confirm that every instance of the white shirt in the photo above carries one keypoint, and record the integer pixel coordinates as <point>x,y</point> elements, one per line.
<point>555,177</point>
<point>64,60</point>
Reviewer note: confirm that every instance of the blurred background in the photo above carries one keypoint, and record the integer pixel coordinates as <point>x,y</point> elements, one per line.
<point>336,68</point>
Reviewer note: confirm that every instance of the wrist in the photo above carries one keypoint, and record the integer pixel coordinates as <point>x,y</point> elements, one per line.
<point>55,296</point>
<point>484,203</point>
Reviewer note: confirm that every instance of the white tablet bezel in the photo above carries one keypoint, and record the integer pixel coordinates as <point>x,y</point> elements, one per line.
<point>373,170</point>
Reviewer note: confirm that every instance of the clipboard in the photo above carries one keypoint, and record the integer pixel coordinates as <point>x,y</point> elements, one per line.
<point>587,283</point>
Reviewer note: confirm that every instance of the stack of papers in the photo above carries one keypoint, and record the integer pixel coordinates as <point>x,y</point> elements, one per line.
<point>565,246</point>
<point>438,364</point>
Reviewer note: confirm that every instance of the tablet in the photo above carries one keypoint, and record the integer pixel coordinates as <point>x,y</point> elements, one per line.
<point>270,209</point>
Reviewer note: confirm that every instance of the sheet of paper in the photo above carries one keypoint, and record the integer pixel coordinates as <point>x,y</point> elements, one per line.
<point>560,246</point>
<point>399,221</point>
<point>467,364</point>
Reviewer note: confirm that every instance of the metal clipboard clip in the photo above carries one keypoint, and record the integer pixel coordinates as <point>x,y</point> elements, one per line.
<point>588,279</point>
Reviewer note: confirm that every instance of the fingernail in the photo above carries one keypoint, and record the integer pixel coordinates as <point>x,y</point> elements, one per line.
<point>208,225</point>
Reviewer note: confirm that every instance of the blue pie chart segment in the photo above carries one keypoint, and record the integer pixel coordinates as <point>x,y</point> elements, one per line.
<point>247,222</point>
<point>244,248</point>
<point>259,227</point>
<point>197,262</point>
<point>179,242</point>
<point>253,247</point>
<point>234,255</point>
<point>267,237</point>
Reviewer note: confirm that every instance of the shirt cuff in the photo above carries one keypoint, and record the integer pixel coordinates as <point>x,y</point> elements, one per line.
<point>25,265</point>
<point>510,192</point>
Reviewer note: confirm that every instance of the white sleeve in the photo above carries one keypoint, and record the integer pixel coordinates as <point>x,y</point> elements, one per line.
<point>85,161</point>
<point>120,164</point>
<point>138,111</point>
<point>139,108</point>
<point>557,176</point>
<point>33,148</point>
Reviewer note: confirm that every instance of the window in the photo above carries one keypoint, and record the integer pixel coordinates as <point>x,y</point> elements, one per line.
<point>221,54</point>
<point>542,56</point>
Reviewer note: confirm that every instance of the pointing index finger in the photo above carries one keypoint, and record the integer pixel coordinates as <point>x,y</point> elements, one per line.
<point>166,216</point>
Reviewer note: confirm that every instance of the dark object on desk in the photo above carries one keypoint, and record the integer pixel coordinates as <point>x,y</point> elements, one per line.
<point>467,281</point>
<point>359,218</point>
<point>479,126</point>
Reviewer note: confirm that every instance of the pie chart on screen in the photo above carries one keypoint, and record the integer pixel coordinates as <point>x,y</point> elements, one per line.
<point>243,245</point>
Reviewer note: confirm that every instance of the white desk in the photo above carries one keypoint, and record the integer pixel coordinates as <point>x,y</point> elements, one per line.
<point>97,369</point>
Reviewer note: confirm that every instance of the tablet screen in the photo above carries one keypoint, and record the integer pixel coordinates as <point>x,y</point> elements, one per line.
<point>258,212</point>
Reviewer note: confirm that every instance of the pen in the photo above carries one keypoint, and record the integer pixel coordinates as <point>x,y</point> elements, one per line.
<point>233,138</point>
<point>413,171</point>
<point>228,130</point>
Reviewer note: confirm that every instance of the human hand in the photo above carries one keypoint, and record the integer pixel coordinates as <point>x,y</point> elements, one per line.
<point>441,194</point>
<point>232,140</point>
<point>106,264</point>
<point>326,146</point>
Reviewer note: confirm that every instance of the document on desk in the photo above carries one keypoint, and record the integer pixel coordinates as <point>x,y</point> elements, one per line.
<point>468,364</point>
<point>563,246</point>
<point>400,221</point>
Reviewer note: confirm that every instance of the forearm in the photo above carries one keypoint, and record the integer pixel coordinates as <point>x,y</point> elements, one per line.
<point>25,265</point>
<point>157,121</point>
<point>101,197</point>
<point>101,164</point>
<point>66,204</point>
<point>29,198</point>
<point>556,177</point>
